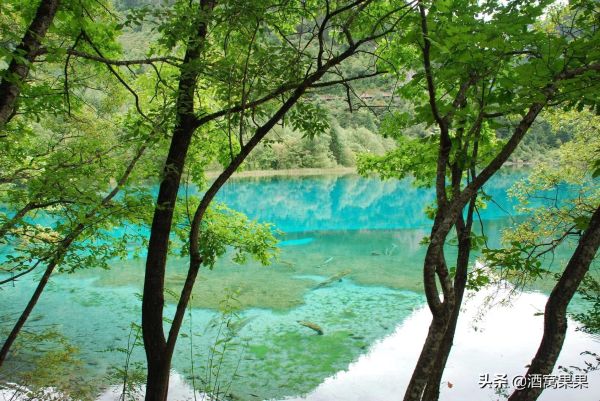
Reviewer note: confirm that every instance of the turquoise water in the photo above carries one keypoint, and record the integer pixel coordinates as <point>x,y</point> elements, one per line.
<point>362,230</point>
<point>301,204</point>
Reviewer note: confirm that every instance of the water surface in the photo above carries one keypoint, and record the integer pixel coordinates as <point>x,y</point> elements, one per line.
<point>362,230</point>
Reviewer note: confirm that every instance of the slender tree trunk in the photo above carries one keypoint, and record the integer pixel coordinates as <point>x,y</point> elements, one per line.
<point>432,389</point>
<point>434,379</point>
<point>420,376</point>
<point>425,380</point>
<point>463,232</point>
<point>157,356</point>
<point>555,314</point>
<point>434,258</point>
<point>23,56</point>
<point>153,297</point>
<point>27,311</point>
<point>60,253</point>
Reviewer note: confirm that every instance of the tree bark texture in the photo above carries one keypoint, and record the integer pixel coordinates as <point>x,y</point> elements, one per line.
<point>432,389</point>
<point>24,55</point>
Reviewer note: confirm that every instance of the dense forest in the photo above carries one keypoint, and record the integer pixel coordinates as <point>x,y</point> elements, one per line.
<point>123,123</point>
<point>354,119</point>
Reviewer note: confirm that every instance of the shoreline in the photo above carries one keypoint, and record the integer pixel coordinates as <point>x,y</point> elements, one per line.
<point>287,172</point>
<point>304,172</point>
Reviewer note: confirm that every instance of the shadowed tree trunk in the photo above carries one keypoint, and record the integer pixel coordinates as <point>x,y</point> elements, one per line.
<point>434,268</point>
<point>155,344</point>
<point>432,390</point>
<point>420,376</point>
<point>463,232</point>
<point>23,56</point>
<point>555,314</point>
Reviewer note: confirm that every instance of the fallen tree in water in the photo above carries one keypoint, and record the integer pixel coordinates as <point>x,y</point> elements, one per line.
<point>312,326</point>
<point>333,279</point>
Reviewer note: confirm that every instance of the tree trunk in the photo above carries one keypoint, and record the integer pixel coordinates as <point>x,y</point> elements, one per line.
<point>434,379</point>
<point>153,294</point>
<point>23,56</point>
<point>426,378</point>
<point>155,345</point>
<point>157,385</point>
<point>432,389</point>
<point>433,264</point>
<point>26,312</point>
<point>420,376</point>
<point>555,314</point>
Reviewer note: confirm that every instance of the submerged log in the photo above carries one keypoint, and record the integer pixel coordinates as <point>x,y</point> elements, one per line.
<point>312,326</point>
<point>334,278</point>
<point>324,263</point>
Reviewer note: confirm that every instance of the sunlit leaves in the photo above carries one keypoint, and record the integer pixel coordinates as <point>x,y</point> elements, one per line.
<point>224,229</point>
<point>412,157</point>
<point>558,198</point>
<point>477,278</point>
<point>309,118</point>
<point>515,261</point>
<point>58,175</point>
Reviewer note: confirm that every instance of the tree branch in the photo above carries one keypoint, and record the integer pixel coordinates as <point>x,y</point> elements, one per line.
<point>174,61</point>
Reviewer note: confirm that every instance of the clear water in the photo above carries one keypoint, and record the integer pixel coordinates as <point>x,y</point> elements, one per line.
<point>364,230</point>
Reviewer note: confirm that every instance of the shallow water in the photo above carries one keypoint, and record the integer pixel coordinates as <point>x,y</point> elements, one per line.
<point>364,230</point>
<point>484,345</point>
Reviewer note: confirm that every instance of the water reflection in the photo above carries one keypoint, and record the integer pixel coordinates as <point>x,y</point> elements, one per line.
<point>500,341</point>
<point>367,229</point>
<point>347,202</point>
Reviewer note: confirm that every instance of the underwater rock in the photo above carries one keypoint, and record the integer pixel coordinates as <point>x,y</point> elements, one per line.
<point>335,277</point>
<point>312,326</point>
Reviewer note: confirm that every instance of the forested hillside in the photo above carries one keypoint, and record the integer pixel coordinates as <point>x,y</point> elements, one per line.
<point>352,114</point>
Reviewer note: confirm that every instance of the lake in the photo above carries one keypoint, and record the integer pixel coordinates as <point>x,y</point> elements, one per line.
<point>365,231</point>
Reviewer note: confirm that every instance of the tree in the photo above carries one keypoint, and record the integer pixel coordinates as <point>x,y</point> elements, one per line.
<point>567,190</point>
<point>78,208</point>
<point>298,53</point>
<point>23,56</point>
<point>60,146</point>
<point>472,67</point>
